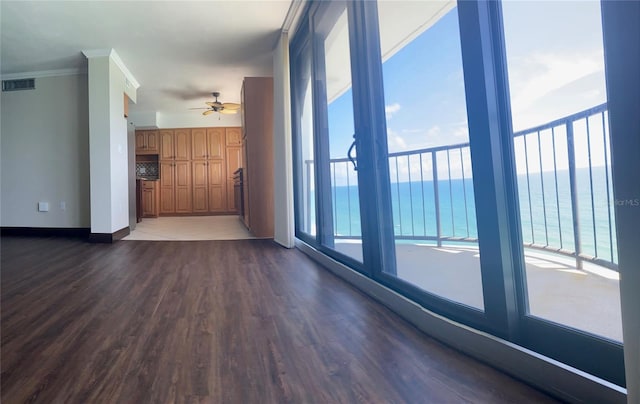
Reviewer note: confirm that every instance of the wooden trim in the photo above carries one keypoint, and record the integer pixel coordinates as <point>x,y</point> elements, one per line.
<point>122,233</point>
<point>108,238</point>
<point>79,232</point>
<point>198,214</point>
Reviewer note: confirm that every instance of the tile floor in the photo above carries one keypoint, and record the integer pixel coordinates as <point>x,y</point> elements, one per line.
<point>190,228</point>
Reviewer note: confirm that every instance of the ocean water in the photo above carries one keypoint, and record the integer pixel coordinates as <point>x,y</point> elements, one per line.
<point>545,210</point>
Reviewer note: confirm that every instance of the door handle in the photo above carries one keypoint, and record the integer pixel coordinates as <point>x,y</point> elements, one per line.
<point>349,156</point>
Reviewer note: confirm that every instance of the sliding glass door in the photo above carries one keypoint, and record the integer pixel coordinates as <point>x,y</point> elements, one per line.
<point>564,188</point>
<point>408,168</point>
<point>328,194</point>
<point>430,170</point>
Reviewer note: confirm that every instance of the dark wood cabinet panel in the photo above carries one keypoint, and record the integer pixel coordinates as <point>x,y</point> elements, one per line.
<point>257,101</point>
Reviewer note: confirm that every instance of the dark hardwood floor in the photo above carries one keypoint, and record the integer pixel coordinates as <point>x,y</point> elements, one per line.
<point>215,322</point>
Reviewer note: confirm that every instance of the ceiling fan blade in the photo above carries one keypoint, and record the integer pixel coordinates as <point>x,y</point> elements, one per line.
<point>208,112</point>
<point>231,105</point>
<point>198,108</point>
<point>228,111</point>
<point>210,103</point>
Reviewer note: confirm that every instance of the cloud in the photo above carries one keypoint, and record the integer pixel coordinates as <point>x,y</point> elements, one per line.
<point>395,142</point>
<point>390,110</point>
<point>536,76</point>
<point>461,134</point>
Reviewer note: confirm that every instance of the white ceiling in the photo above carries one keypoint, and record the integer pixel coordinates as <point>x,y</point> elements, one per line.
<point>179,51</point>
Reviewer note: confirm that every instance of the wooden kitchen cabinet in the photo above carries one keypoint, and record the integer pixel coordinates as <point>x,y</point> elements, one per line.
<point>175,144</point>
<point>216,142</point>
<point>147,142</point>
<point>183,187</point>
<point>182,144</point>
<point>167,188</point>
<point>209,193</point>
<point>150,200</point>
<point>234,136</point>
<point>257,118</point>
<point>196,170</point>
<point>233,162</point>
<point>200,176</point>
<point>175,187</point>
<point>199,144</point>
<point>207,143</point>
<point>217,191</point>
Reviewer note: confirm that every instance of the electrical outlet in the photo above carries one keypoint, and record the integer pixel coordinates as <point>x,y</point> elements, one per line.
<point>63,205</point>
<point>43,206</point>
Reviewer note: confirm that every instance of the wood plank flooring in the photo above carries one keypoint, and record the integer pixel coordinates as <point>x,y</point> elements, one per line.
<point>213,322</point>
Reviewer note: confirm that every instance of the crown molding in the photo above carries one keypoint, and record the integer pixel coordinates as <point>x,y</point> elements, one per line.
<point>111,53</point>
<point>127,74</point>
<point>45,73</point>
<point>97,53</point>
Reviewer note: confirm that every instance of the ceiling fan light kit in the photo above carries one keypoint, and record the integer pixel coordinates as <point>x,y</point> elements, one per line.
<point>226,108</point>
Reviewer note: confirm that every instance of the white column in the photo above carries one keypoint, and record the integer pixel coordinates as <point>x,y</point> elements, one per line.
<point>282,148</point>
<point>109,80</point>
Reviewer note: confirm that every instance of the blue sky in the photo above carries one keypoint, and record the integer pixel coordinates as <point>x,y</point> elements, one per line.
<point>555,62</point>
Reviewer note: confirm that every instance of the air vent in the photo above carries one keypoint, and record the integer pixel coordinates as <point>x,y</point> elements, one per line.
<point>18,85</point>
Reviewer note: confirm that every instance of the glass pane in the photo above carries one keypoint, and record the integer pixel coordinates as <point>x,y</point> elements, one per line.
<point>429,157</point>
<point>333,33</point>
<point>306,220</point>
<point>563,163</point>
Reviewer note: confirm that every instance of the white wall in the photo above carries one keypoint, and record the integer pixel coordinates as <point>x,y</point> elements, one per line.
<point>195,119</point>
<point>108,141</point>
<point>143,120</point>
<point>99,136</point>
<point>283,160</point>
<point>119,149</point>
<point>45,154</point>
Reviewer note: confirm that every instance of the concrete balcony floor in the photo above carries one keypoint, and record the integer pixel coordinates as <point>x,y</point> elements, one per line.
<point>587,299</point>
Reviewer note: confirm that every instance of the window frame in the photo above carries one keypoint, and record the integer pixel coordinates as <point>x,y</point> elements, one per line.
<point>489,118</point>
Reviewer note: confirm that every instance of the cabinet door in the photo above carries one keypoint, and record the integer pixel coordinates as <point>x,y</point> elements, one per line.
<point>217,190</point>
<point>199,144</point>
<point>217,199</point>
<point>152,142</point>
<point>147,203</point>
<point>182,144</point>
<point>200,186</point>
<point>234,160</point>
<point>216,137</point>
<point>167,198</point>
<point>231,197</point>
<point>216,173</point>
<point>149,199</point>
<point>183,188</point>
<point>234,136</point>
<point>245,186</point>
<point>140,141</point>
<point>166,145</point>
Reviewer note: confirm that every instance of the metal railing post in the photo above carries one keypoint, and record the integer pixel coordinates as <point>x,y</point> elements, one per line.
<point>573,186</point>
<point>436,198</point>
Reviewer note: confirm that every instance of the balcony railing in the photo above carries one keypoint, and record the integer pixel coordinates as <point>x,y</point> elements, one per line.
<point>564,186</point>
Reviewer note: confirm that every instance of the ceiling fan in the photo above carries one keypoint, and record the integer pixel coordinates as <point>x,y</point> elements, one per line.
<point>220,107</point>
